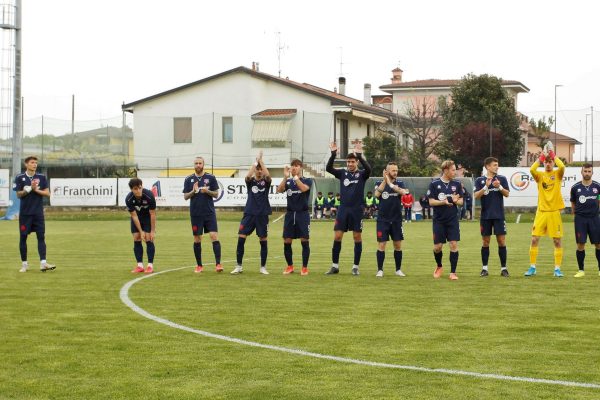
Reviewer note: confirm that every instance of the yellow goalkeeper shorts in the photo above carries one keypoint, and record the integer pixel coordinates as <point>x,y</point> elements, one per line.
<point>547,223</point>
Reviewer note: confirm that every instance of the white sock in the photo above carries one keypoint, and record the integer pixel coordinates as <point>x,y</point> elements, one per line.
<point>485,268</point>
<point>42,262</point>
<point>532,266</point>
<point>335,266</point>
<point>141,265</point>
<point>355,266</point>
<point>556,267</point>
<point>24,263</point>
<point>502,268</point>
<point>150,265</point>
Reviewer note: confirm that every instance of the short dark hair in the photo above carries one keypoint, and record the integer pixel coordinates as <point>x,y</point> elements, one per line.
<point>295,162</point>
<point>330,193</point>
<point>29,158</point>
<point>489,160</point>
<point>587,165</point>
<point>320,193</point>
<point>135,182</point>
<point>351,156</point>
<point>369,192</point>
<point>392,163</point>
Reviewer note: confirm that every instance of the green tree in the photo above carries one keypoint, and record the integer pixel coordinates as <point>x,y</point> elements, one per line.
<point>380,149</point>
<point>541,130</point>
<point>477,102</point>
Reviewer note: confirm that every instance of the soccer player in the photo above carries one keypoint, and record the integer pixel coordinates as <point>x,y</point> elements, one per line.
<point>201,188</point>
<point>492,189</point>
<point>349,215</point>
<point>31,188</point>
<point>141,204</point>
<point>389,219</point>
<point>445,195</point>
<point>256,213</point>
<point>296,224</point>
<point>584,203</point>
<point>547,216</point>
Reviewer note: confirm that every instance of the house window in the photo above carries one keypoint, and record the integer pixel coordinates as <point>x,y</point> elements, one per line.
<point>227,123</point>
<point>182,130</point>
<point>368,130</point>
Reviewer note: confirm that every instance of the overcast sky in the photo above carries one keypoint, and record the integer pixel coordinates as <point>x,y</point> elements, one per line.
<point>113,51</point>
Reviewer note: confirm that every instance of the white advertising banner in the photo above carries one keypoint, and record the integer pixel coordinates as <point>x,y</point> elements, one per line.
<point>169,192</point>
<point>83,192</point>
<point>523,189</point>
<point>5,187</point>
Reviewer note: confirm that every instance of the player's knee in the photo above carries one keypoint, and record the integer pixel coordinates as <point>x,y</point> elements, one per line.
<point>485,241</point>
<point>557,242</point>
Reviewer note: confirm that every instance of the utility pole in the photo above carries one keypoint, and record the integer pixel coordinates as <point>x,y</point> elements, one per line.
<point>14,24</point>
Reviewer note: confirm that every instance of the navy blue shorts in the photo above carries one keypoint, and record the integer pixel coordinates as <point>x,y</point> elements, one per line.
<point>204,224</point>
<point>296,224</point>
<point>144,222</point>
<point>498,226</point>
<point>448,231</point>
<point>31,223</point>
<point>251,222</point>
<point>389,230</point>
<point>586,226</point>
<point>349,219</point>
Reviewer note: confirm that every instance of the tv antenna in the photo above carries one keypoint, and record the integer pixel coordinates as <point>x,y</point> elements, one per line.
<point>280,49</point>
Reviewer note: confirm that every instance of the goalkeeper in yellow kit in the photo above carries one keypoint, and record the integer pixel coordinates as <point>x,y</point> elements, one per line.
<point>547,217</point>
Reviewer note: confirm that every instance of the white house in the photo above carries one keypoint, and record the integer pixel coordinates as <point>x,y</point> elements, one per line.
<point>227,118</point>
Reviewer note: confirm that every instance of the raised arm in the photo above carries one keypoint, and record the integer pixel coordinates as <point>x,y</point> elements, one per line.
<point>358,150</point>
<point>286,175</point>
<point>329,167</point>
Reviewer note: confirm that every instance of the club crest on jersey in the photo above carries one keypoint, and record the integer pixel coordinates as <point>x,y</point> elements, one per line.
<point>356,175</point>
<point>206,181</point>
<point>453,188</point>
<point>579,190</point>
<point>595,190</point>
<point>439,187</point>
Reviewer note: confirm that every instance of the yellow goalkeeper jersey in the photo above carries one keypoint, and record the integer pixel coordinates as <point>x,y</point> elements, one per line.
<point>549,184</point>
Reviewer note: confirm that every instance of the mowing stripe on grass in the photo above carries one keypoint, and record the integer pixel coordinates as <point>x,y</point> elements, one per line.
<point>124,294</point>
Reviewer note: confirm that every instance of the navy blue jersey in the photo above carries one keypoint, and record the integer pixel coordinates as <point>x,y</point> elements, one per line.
<point>143,205</point>
<point>352,184</point>
<point>32,203</point>
<point>390,206</point>
<point>201,204</point>
<point>296,199</point>
<point>585,198</point>
<point>492,202</point>
<point>440,190</point>
<point>257,202</point>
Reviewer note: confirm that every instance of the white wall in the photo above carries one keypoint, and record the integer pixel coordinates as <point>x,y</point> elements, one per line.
<point>238,95</point>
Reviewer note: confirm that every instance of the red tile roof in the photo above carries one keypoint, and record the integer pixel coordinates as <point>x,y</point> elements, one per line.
<point>275,112</point>
<point>442,83</point>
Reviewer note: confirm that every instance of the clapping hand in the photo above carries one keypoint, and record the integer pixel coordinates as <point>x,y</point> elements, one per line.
<point>286,171</point>
<point>333,147</point>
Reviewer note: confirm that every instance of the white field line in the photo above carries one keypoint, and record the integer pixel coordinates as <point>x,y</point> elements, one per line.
<point>124,295</point>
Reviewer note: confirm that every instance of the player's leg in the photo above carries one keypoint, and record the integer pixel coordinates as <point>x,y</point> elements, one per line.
<point>38,226</point>
<point>24,229</point>
<point>288,254</point>
<point>581,232</point>
<point>216,245</point>
<point>303,226</point>
<point>539,229</point>
<point>453,258</point>
<point>502,254</point>
<point>382,230</point>
<point>197,230</point>
<point>594,233</point>
<point>556,229</point>
<point>485,226</point>
<point>138,251</point>
<point>339,228</point>
<point>397,234</point>
<point>356,224</point>
<point>150,248</point>
<point>262,229</point>
<point>439,238</point>
<point>246,227</point>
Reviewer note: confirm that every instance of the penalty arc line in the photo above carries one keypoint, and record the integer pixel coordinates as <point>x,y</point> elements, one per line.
<point>124,295</point>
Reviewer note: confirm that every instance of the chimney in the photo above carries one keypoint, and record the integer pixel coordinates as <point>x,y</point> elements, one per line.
<point>257,69</point>
<point>397,75</point>
<point>342,82</point>
<point>367,94</point>
<point>253,66</point>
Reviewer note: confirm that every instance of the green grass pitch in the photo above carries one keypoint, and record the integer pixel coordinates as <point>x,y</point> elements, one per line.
<point>67,335</point>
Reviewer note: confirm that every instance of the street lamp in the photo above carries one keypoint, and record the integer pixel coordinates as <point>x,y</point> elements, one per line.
<point>586,138</point>
<point>555,86</point>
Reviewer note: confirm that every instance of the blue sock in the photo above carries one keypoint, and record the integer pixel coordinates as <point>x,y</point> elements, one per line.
<point>264,251</point>
<point>305,253</point>
<point>453,261</point>
<point>23,247</point>
<point>485,255</point>
<point>335,252</point>
<point>398,259</point>
<point>580,258</point>
<point>502,254</point>
<point>41,239</point>
<point>357,252</point>
<point>198,253</point>
<point>217,250</point>
<point>438,258</point>
<point>138,251</point>
<point>150,250</point>
<point>239,253</point>
<point>380,259</point>
<point>287,252</point>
